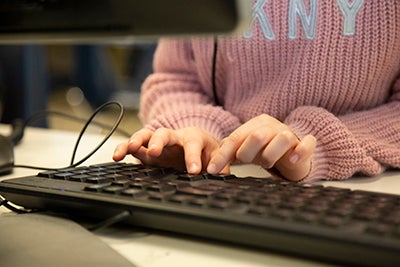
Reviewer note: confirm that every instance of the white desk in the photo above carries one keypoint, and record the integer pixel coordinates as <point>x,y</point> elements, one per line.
<point>53,148</point>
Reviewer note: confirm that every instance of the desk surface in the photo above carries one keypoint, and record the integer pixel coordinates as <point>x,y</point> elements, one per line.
<point>52,148</point>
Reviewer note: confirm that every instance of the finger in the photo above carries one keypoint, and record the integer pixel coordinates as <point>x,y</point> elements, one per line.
<point>161,138</point>
<point>226,152</point>
<point>296,165</point>
<point>120,151</point>
<point>230,145</point>
<point>226,169</point>
<point>303,150</point>
<point>138,139</point>
<point>193,151</point>
<point>134,143</point>
<point>141,154</point>
<point>253,144</point>
<point>277,148</point>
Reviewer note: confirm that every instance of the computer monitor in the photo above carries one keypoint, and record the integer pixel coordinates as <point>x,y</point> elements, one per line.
<point>40,21</point>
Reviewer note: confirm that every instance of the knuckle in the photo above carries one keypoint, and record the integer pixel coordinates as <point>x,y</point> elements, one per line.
<point>263,117</point>
<point>288,137</point>
<point>230,141</point>
<point>142,132</point>
<point>162,131</point>
<point>234,137</point>
<point>258,136</point>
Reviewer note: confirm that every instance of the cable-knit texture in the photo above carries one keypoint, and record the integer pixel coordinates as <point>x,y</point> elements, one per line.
<point>342,89</point>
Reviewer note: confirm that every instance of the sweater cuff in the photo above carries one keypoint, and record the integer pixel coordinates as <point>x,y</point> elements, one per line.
<point>338,154</point>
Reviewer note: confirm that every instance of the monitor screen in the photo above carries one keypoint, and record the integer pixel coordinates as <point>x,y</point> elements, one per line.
<point>87,20</point>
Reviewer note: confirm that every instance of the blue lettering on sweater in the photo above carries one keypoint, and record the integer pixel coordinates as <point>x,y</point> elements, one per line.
<point>297,11</point>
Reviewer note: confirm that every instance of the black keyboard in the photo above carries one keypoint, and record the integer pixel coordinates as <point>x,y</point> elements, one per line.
<point>328,224</point>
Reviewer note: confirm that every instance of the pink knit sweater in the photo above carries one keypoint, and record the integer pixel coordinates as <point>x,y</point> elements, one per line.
<point>332,72</point>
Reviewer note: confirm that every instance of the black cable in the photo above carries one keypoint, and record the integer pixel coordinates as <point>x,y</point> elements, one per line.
<point>113,129</point>
<point>213,72</point>
<point>110,221</point>
<point>18,132</point>
<point>4,202</point>
<point>36,167</point>
<point>87,123</point>
<point>18,127</point>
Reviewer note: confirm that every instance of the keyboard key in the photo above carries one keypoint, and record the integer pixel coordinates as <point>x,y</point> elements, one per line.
<point>220,177</point>
<point>98,179</point>
<point>190,177</point>
<point>133,192</point>
<point>112,189</point>
<point>79,177</point>
<point>95,187</point>
<point>161,188</point>
<point>195,191</point>
<point>63,175</point>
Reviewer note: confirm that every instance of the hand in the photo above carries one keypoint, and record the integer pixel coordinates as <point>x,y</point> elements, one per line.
<point>184,149</point>
<point>266,141</point>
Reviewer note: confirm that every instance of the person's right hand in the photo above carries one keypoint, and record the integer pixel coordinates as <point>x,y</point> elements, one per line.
<point>266,141</point>
<point>184,149</point>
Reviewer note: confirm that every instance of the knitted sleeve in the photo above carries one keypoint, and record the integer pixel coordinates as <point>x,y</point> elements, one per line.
<point>175,97</point>
<point>366,142</point>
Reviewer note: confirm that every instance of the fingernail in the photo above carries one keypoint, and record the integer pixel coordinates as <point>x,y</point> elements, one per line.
<point>212,168</point>
<point>294,158</point>
<point>193,168</point>
<point>153,146</point>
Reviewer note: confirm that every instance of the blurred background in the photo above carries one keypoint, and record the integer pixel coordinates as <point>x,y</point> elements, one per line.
<point>73,79</point>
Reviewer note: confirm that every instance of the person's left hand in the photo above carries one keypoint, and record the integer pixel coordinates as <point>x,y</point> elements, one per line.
<point>188,148</point>
<point>269,143</point>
